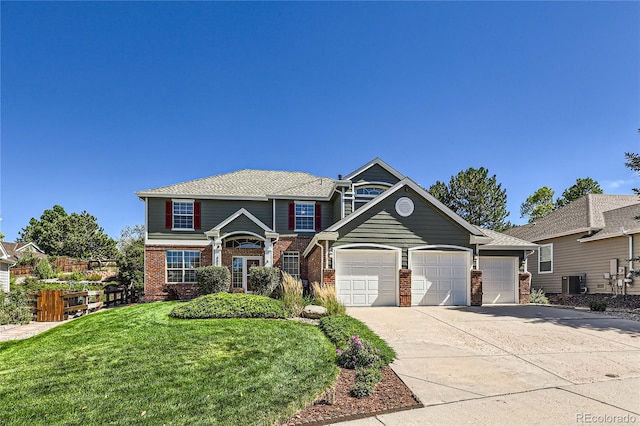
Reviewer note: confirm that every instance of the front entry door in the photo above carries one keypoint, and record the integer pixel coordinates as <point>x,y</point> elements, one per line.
<point>240,271</point>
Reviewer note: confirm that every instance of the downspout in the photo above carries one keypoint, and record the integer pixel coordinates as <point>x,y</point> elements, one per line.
<point>526,265</point>
<point>624,279</point>
<point>321,262</point>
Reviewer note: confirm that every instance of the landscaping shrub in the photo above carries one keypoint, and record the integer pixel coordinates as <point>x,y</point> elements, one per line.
<point>598,306</point>
<point>340,328</point>
<point>366,380</point>
<point>14,308</point>
<point>538,296</point>
<point>230,305</point>
<point>43,269</point>
<point>359,354</point>
<point>264,279</point>
<point>291,290</point>
<point>73,276</point>
<point>94,277</point>
<point>213,279</point>
<point>326,296</point>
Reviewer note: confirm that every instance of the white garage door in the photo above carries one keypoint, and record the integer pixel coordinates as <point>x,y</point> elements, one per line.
<point>366,277</point>
<point>499,279</point>
<point>439,278</point>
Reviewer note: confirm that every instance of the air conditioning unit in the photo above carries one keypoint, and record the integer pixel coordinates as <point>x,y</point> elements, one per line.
<point>571,284</point>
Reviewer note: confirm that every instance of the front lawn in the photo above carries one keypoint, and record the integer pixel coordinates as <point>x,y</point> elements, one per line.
<point>135,365</point>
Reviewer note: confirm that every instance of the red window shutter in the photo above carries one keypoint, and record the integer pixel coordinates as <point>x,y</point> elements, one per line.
<point>318,212</point>
<point>168,215</point>
<point>196,215</point>
<point>292,216</point>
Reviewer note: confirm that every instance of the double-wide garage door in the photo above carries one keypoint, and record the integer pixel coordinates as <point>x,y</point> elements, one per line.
<point>366,277</point>
<point>439,277</point>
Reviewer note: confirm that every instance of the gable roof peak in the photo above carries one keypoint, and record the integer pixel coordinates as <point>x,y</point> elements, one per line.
<point>376,161</point>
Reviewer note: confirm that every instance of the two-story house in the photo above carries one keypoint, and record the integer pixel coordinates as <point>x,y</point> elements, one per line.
<point>374,234</point>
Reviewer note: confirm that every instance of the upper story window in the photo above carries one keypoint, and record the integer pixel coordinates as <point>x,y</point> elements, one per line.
<point>370,191</point>
<point>545,259</point>
<point>183,215</point>
<point>305,215</point>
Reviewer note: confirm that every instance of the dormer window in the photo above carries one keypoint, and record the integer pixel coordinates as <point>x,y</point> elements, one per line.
<point>370,191</point>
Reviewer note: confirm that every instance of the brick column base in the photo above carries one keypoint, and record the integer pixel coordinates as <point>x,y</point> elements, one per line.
<point>476,288</point>
<point>524,287</point>
<point>405,287</point>
<point>329,277</point>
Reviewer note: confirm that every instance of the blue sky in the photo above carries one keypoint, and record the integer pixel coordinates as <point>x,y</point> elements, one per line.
<point>102,99</point>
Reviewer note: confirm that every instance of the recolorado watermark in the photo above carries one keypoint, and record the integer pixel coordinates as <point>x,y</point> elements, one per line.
<point>590,418</point>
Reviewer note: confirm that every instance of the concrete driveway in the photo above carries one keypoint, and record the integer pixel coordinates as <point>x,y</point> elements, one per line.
<point>511,365</point>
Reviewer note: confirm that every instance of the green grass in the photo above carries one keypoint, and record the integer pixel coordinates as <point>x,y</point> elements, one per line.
<point>230,305</point>
<point>135,365</point>
<point>340,328</point>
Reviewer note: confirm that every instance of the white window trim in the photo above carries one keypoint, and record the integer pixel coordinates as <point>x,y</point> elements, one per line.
<point>295,254</point>
<point>193,207</point>
<point>166,267</point>
<point>550,245</point>
<point>313,216</point>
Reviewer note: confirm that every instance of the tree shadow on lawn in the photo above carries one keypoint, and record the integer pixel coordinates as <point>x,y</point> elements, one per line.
<point>568,317</point>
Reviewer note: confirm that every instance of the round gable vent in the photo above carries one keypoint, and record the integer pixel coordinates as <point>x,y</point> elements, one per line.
<point>404,206</point>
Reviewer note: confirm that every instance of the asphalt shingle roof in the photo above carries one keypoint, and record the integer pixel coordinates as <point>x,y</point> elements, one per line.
<point>250,184</point>
<point>583,214</point>
<point>504,240</point>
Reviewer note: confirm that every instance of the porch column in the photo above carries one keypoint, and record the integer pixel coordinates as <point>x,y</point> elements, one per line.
<point>268,252</point>
<point>217,252</point>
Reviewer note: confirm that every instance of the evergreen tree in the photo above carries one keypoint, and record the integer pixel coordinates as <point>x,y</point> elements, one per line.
<point>476,197</point>
<point>77,235</point>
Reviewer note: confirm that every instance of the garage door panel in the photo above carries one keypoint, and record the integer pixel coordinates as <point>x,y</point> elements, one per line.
<point>366,278</point>
<point>439,278</point>
<point>499,279</point>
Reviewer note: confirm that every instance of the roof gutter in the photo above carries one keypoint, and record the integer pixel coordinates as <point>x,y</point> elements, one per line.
<point>320,236</point>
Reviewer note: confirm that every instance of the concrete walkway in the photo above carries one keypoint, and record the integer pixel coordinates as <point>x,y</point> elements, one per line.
<point>17,332</point>
<point>511,365</point>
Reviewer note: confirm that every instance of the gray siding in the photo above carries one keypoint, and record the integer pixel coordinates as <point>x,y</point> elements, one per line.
<point>242,223</point>
<point>571,257</point>
<point>383,225</point>
<point>213,212</point>
<point>375,173</point>
<point>282,216</point>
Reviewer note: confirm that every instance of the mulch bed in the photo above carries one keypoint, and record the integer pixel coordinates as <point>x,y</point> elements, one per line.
<point>337,405</point>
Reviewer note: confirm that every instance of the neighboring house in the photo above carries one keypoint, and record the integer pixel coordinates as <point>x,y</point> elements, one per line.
<point>375,234</point>
<point>17,251</point>
<point>586,246</point>
<point>5,264</point>
<point>10,254</point>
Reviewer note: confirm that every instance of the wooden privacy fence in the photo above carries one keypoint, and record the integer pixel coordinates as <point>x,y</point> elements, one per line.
<point>56,305</point>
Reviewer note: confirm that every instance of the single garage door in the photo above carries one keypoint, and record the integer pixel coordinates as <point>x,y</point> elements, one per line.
<point>499,279</point>
<point>439,277</point>
<point>366,277</point>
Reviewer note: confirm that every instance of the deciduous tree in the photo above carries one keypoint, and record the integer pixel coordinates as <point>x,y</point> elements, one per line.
<point>131,260</point>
